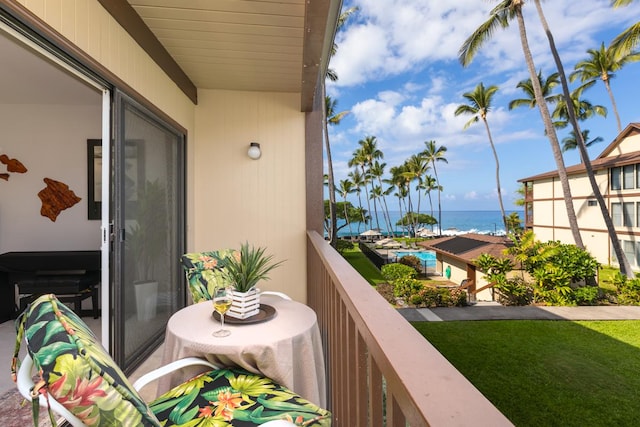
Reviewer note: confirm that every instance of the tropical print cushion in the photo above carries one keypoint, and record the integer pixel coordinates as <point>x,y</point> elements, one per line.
<point>235,397</point>
<point>204,271</point>
<point>76,370</point>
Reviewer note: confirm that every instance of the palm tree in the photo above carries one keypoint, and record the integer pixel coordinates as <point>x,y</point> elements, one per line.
<point>500,17</point>
<point>479,105</point>
<point>359,160</point>
<point>416,167</point>
<point>625,266</point>
<point>602,64</point>
<point>434,154</point>
<point>626,41</point>
<point>331,118</point>
<point>401,183</point>
<point>428,185</point>
<point>370,152</point>
<point>358,182</point>
<point>342,20</point>
<point>547,85</point>
<point>345,188</point>
<point>582,108</point>
<point>377,171</point>
<point>571,142</point>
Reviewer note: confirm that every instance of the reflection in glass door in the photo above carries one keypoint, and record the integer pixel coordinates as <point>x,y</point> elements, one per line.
<point>149,220</point>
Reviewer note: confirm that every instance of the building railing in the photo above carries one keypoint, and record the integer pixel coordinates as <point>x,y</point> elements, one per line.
<point>380,370</point>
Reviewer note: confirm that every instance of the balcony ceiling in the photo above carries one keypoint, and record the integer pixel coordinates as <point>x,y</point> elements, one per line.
<point>256,45</point>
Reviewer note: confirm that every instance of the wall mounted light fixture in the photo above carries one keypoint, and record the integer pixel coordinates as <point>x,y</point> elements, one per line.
<point>254,151</point>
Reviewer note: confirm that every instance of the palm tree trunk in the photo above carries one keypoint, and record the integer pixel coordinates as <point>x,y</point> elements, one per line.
<point>366,189</point>
<point>386,208</point>
<point>333,228</point>
<point>364,221</point>
<point>625,266</point>
<point>439,205</point>
<point>551,132</point>
<point>346,216</point>
<point>613,104</point>
<point>495,156</point>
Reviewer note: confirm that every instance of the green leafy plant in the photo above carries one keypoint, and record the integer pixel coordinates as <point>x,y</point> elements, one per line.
<point>395,271</point>
<point>586,295</point>
<point>144,239</point>
<point>247,267</point>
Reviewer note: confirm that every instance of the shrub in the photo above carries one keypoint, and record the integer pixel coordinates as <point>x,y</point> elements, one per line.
<point>628,291</point>
<point>395,271</point>
<point>514,291</point>
<point>440,297</point>
<point>405,287</point>
<point>412,261</point>
<point>458,297</point>
<point>386,290</point>
<point>344,245</point>
<point>586,295</point>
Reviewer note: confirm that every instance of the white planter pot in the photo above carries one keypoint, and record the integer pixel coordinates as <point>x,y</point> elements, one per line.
<point>146,300</point>
<point>245,304</point>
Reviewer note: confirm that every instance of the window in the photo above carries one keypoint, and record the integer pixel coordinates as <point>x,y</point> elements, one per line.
<point>615,178</point>
<point>629,249</point>
<point>592,203</point>
<point>628,214</point>
<point>616,214</point>
<point>628,177</point>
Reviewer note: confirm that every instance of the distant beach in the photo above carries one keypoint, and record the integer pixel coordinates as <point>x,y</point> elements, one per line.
<point>453,223</point>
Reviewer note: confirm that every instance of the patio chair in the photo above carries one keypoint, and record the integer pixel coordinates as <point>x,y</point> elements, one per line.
<point>204,273</point>
<point>78,380</point>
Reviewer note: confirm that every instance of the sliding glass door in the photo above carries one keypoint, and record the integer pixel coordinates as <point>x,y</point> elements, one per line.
<point>149,229</point>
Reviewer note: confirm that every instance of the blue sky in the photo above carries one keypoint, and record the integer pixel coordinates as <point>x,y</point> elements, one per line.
<point>400,80</point>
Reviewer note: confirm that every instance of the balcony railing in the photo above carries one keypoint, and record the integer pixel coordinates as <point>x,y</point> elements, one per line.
<point>380,370</point>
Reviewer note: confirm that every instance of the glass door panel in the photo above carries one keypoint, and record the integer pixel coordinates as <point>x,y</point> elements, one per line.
<point>150,223</point>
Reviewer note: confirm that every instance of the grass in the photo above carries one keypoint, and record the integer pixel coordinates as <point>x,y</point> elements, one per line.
<point>548,373</point>
<point>362,264</point>
<point>543,373</point>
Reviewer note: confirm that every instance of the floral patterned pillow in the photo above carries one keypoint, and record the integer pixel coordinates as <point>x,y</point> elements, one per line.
<point>204,272</point>
<point>235,398</point>
<point>76,370</point>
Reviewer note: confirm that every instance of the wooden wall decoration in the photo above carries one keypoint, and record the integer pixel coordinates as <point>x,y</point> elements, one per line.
<point>56,197</point>
<point>13,165</point>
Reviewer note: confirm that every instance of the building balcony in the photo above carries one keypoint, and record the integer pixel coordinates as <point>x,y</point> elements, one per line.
<point>380,370</point>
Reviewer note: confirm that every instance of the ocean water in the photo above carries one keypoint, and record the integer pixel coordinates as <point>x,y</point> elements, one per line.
<point>453,223</point>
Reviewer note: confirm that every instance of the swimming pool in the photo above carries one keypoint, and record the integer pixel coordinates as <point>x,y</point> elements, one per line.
<point>427,257</point>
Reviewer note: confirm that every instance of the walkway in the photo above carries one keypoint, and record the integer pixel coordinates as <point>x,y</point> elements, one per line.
<point>495,311</point>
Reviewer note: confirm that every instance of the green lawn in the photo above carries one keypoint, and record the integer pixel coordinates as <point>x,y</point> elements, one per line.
<point>548,373</point>
<point>362,264</point>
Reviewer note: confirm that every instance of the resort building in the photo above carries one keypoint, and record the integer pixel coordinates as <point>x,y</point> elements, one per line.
<point>617,172</point>
<point>110,107</point>
<point>457,255</point>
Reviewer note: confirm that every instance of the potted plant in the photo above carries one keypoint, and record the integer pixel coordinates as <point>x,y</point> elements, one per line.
<point>146,246</point>
<point>242,272</point>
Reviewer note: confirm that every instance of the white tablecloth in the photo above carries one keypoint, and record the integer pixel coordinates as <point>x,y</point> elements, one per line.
<point>287,348</point>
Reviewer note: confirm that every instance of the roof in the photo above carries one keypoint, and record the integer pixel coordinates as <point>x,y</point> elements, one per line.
<point>603,161</point>
<point>468,247</point>
<point>276,46</point>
